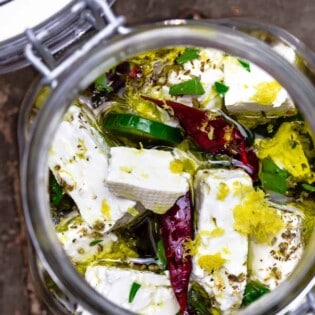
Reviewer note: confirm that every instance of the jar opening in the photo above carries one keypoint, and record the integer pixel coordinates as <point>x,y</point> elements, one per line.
<point>106,68</point>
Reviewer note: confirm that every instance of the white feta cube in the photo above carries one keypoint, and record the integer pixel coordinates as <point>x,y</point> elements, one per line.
<point>221,253</point>
<point>82,243</point>
<point>285,51</point>
<point>272,264</point>
<point>79,160</point>
<point>208,67</point>
<point>146,176</point>
<point>153,297</point>
<point>256,90</point>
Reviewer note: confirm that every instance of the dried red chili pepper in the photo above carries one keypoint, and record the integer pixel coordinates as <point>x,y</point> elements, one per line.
<point>176,229</point>
<point>212,133</point>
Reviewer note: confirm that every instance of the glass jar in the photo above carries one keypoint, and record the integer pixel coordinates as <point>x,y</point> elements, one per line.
<point>112,45</point>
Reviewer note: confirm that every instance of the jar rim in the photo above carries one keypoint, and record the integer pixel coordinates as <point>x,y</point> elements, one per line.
<point>34,175</point>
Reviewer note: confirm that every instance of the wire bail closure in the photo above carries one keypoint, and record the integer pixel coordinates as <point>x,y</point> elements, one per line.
<point>101,17</point>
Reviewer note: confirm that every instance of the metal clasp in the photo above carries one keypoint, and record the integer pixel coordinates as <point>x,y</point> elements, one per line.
<point>98,13</point>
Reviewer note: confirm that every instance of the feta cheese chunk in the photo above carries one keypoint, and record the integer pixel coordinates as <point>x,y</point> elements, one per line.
<point>146,176</point>
<point>285,51</point>
<point>79,160</point>
<point>254,86</point>
<point>219,264</point>
<point>208,67</point>
<point>154,296</point>
<point>272,264</point>
<point>254,91</point>
<point>81,243</point>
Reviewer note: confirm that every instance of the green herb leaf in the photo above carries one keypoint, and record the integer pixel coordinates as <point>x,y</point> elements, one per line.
<point>189,87</point>
<point>55,191</point>
<point>133,291</point>
<point>95,242</point>
<point>187,55</point>
<point>221,88</point>
<point>254,291</point>
<point>272,177</point>
<point>102,85</point>
<point>308,187</point>
<point>161,254</point>
<point>245,64</point>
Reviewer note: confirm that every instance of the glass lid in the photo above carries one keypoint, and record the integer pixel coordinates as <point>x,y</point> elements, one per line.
<point>48,26</point>
<point>27,14</point>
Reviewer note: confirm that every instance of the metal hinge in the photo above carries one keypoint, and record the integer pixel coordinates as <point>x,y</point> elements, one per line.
<point>98,13</point>
<point>307,306</point>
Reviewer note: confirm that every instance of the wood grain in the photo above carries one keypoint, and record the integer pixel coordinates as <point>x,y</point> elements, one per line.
<point>17,295</point>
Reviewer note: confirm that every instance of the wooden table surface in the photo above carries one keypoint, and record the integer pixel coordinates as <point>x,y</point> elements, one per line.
<point>17,296</point>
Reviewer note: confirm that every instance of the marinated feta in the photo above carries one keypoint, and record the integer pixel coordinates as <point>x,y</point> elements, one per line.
<point>79,160</point>
<point>289,149</point>
<point>208,67</point>
<point>146,175</point>
<point>285,51</point>
<point>220,257</point>
<point>81,243</point>
<point>253,91</point>
<point>272,264</point>
<point>154,295</point>
<point>255,86</point>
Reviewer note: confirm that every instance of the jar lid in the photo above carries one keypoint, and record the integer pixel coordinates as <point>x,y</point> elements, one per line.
<point>49,26</point>
<point>18,15</point>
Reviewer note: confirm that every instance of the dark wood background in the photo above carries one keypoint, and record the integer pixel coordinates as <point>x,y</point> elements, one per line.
<point>17,296</point>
